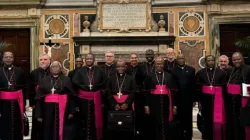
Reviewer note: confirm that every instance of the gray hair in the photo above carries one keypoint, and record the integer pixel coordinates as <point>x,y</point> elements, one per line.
<point>56,62</point>
<point>109,52</point>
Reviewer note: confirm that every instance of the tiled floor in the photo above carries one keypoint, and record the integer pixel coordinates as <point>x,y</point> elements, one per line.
<point>196,133</point>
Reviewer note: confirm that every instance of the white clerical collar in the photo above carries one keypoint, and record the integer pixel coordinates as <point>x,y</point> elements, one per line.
<point>9,67</point>
<point>121,74</point>
<point>159,72</point>
<point>109,64</point>
<point>90,67</point>
<point>182,67</point>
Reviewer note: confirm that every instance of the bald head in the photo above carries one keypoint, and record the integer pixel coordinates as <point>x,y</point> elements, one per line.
<point>120,66</point>
<point>55,68</point>
<point>170,54</point>
<point>8,58</point>
<point>181,60</point>
<point>237,59</point>
<point>159,64</point>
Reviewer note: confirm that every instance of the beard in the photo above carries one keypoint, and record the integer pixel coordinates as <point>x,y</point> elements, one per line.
<point>43,66</point>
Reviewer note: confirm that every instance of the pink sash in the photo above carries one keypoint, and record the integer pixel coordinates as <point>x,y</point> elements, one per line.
<point>122,98</point>
<point>37,88</point>
<point>247,128</point>
<point>15,95</point>
<point>233,89</point>
<point>162,89</point>
<point>219,112</point>
<point>96,96</point>
<point>61,100</point>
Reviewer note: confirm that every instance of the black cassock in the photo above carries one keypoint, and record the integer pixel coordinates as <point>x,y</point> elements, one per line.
<point>83,78</point>
<point>168,65</point>
<point>214,80</point>
<point>35,76</point>
<point>233,102</point>
<point>160,104</point>
<point>11,117</point>
<point>126,85</point>
<point>49,110</point>
<point>184,78</point>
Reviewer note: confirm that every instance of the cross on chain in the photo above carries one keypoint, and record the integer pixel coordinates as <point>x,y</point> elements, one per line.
<point>53,90</point>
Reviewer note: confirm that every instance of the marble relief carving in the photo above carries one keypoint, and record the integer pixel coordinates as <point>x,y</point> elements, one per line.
<point>76,23</point>
<point>193,50</point>
<point>61,54</point>
<point>56,26</point>
<point>191,24</point>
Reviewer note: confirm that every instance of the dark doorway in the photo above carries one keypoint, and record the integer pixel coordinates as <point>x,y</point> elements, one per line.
<point>229,33</point>
<point>19,44</point>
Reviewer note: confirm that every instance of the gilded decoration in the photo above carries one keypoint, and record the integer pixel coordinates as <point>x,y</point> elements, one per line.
<point>56,26</point>
<point>191,24</point>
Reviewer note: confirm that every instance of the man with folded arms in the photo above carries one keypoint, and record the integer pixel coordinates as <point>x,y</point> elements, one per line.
<point>89,81</point>
<point>235,100</point>
<point>211,81</point>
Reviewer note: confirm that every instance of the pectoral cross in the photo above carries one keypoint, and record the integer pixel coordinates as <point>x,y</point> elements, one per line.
<point>161,90</point>
<point>9,84</point>
<point>119,94</point>
<point>211,87</point>
<point>90,87</point>
<point>53,90</point>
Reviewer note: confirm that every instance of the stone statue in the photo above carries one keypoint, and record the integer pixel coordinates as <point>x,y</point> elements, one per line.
<point>86,24</point>
<point>161,24</point>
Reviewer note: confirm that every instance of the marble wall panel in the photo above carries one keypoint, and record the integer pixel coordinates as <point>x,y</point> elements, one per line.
<point>193,51</point>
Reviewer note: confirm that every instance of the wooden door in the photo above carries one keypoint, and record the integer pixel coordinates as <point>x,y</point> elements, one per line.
<point>19,40</point>
<point>229,33</point>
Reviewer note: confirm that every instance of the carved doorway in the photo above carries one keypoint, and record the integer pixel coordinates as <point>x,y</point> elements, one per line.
<point>18,42</point>
<point>229,33</point>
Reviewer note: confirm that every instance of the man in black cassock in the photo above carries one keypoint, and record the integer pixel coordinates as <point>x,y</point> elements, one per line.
<point>12,99</point>
<point>240,73</point>
<point>89,81</point>
<point>55,104</point>
<point>133,70</point>
<point>120,89</point>
<point>170,62</point>
<point>211,82</point>
<point>79,63</point>
<point>35,76</point>
<point>160,101</point>
<point>184,77</point>
<point>142,119</point>
<point>109,70</point>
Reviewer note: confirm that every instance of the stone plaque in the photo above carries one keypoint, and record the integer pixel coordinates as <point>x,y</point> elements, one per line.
<point>130,15</point>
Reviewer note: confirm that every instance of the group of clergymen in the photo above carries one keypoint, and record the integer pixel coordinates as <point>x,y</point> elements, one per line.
<point>160,92</point>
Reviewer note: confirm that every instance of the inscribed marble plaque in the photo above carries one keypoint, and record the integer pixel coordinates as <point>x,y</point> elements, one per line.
<point>129,15</point>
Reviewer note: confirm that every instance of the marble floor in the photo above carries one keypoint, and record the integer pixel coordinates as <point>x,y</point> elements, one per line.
<point>196,133</point>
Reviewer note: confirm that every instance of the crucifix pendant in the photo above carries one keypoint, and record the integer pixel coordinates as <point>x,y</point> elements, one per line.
<point>161,91</point>
<point>211,87</point>
<point>53,90</point>
<point>119,94</point>
<point>90,87</point>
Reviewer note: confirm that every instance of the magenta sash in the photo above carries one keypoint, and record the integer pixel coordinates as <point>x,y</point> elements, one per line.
<point>96,96</point>
<point>122,98</point>
<point>163,90</point>
<point>247,128</point>
<point>233,89</point>
<point>15,95</point>
<point>37,88</point>
<point>61,100</point>
<point>219,112</point>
